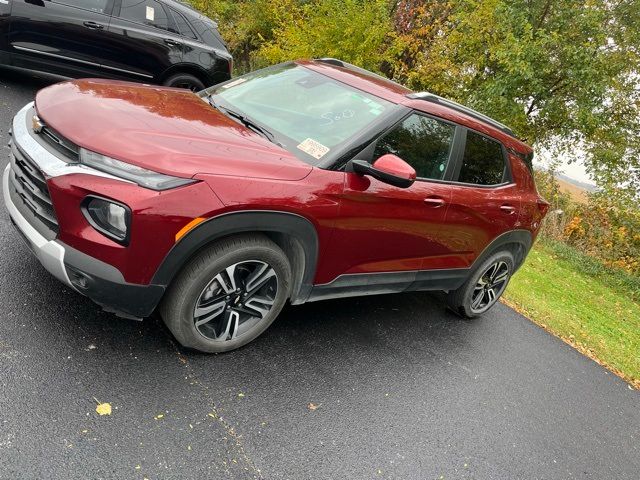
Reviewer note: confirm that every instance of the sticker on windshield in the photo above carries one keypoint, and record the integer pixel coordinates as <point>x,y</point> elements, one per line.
<point>150,14</point>
<point>313,148</point>
<point>234,83</point>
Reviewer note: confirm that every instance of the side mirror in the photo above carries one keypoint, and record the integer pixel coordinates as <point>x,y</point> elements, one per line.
<point>388,169</point>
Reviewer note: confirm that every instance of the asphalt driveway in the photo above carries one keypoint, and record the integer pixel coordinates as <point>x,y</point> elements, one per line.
<point>380,387</point>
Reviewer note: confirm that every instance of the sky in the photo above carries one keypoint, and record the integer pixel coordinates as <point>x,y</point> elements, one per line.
<point>574,170</point>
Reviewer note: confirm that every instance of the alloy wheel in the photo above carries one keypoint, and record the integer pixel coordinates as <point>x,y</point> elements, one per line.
<point>235,300</point>
<point>490,286</point>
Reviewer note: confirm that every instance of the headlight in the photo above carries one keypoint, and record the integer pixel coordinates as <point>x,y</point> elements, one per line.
<point>109,218</point>
<point>141,176</point>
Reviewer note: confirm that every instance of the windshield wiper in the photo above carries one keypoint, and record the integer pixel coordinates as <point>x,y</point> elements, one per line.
<point>246,121</point>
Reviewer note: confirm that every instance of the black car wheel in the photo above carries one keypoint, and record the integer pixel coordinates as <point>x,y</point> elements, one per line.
<point>228,294</point>
<point>484,287</point>
<point>186,81</point>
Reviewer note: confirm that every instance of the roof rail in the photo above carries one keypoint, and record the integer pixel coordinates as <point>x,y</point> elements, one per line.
<point>349,66</point>
<point>432,97</point>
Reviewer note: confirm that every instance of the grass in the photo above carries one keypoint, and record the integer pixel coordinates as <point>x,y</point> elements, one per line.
<point>591,307</point>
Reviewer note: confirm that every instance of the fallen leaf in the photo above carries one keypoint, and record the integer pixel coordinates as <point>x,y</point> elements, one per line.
<point>158,417</point>
<point>241,395</point>
<point>103,409</point>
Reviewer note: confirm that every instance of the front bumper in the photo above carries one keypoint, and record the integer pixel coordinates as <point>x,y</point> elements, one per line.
<point>101,282</point>
<point>49,252</point>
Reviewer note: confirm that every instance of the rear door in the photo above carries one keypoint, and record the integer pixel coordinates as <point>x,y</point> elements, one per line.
<point>70,33</point>
<point>484,201</point>
<point>145,42</point>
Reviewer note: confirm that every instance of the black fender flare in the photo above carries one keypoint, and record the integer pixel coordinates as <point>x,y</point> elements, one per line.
<point>521,237</point>
<point>265,221</point>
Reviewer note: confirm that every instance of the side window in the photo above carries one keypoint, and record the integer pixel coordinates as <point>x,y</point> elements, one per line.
<point>99,6</point>
<point>422,142</point>
<point>483,161</point>
<point>182,25</point>
<point>147,12</point>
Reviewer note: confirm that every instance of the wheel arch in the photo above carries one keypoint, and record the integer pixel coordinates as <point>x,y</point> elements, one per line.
<point>518,242</point>
<point>294,234</point>
<point>191,69</point>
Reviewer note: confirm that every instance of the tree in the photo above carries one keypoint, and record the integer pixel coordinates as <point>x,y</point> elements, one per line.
<point>563,74</point>
<point>357,31</point>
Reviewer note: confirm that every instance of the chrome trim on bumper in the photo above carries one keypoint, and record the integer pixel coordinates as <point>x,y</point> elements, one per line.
<point>49,252</point>
<point>50,165</point>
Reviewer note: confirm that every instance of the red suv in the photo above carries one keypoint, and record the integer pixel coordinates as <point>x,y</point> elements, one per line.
<point>300,182</point>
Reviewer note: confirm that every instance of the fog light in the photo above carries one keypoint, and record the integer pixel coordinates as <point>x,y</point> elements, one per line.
<point>109,218</point>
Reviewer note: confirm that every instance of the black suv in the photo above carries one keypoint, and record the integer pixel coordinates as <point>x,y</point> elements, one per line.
<point>164,42</point>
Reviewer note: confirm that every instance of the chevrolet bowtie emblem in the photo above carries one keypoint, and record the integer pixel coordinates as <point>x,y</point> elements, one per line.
<point>37,124</point>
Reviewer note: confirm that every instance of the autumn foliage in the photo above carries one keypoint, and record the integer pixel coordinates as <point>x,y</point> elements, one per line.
<point>604,228</point>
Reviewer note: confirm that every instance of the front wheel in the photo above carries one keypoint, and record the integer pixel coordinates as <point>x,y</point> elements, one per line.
<point>484,287</point>
<point>228,294</point>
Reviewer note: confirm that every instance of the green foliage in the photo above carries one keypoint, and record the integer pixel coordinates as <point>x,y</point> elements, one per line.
<point>356,31</point>
<point>246,25</point>
<point>616,278</point>
<point>562,74</point>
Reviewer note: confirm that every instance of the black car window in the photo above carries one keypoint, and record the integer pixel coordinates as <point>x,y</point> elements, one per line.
<point>483,161</point>
<point>148,12</point>
<point>182,25</point>
<point>422,142</point>
<point>99,6</point>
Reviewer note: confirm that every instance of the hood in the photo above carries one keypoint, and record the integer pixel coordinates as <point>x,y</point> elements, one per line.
<point>167,130</point>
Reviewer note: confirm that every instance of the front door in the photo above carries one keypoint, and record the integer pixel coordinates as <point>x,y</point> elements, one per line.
<point>386,229</point>
<point>69,33</point>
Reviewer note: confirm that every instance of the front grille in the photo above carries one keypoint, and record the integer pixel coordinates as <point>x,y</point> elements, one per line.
<point>69,149</point>
<point>31,187</point>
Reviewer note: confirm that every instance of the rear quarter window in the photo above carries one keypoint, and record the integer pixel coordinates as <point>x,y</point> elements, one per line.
<point>483,162</point>
<point>182,25</point>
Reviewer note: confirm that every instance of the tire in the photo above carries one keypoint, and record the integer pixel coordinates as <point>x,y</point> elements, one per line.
<point>184,80</point>
<point>201,313</point>
<point>492,275</point>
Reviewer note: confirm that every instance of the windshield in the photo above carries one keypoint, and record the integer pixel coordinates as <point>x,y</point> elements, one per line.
<point>307,113</point>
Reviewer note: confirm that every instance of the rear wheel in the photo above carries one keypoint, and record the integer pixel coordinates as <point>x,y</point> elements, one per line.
<point>484,287</point>
<point>228,295</point>
<point>184,80</point>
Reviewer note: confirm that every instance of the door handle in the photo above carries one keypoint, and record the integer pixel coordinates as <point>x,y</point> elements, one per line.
<point>93,25</point>
<point>434,202</point>
<point>171,42</point>
<point>510,209</point>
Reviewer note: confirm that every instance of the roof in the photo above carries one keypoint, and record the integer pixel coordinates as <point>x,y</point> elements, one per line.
<point>395,88</point>
<point>432,97</point>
